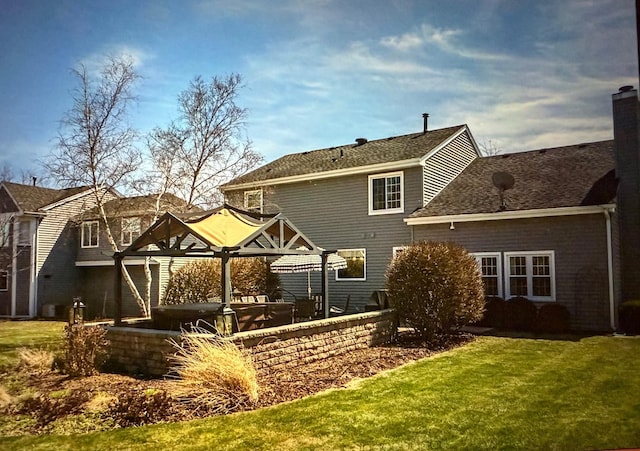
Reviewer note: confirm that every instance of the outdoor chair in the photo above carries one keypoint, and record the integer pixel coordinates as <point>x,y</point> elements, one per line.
<point>304,309</point>
<point>340,310</point>
<point>262,298</point>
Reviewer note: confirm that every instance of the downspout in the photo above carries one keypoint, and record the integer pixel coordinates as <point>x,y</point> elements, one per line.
<point>612,303</point>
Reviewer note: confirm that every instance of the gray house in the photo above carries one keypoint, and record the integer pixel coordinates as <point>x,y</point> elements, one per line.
<point>38,247</point>
<point>546,224</point>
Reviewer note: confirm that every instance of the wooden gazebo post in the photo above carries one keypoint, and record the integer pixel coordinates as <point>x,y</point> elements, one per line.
<point>224,319</point>
<point>325,282</point>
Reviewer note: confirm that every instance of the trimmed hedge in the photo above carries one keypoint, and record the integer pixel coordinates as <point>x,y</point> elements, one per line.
<point>552,318</point>
<point>493,313</point>
<point>629,314</point>
<point>520,314</point>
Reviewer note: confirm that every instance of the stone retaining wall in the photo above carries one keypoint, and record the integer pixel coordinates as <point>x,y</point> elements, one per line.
<point>145,351</point>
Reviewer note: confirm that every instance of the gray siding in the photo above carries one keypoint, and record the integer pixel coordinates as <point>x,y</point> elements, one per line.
<point>58,278</point>
<point>441,168</point>
<point>333,213</point>
<point>580,247</point>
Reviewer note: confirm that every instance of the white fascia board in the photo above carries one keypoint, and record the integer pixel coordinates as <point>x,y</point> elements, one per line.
<point>67,199</point>
<point>370,169</point>
<point>127,262</point>
<point>518,214</point>
<point>447,141</point>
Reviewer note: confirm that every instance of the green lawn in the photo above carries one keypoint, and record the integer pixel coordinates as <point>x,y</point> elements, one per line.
<point>495,393</point>
<point>35,334</point>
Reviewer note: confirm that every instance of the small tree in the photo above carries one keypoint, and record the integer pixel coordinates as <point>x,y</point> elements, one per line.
<point>436,287</point>
<point>198,280</point>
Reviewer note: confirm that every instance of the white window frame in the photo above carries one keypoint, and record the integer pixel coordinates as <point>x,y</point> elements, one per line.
<point>4,274</point>
<point>385,176</point>
<point>84,226</point>
<point>397,250</point>
<point>364,269</point>
<point>529,270</point>
<point>480,255</point>
<point>24,233</point>
<point>247,196</point>
<point>126,230</point>
<point>5,230</point>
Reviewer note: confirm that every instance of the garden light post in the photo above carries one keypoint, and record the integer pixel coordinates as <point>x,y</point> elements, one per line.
<point>76,312</point>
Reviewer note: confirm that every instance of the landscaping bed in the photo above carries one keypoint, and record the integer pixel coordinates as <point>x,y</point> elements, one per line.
<point>65,405</point>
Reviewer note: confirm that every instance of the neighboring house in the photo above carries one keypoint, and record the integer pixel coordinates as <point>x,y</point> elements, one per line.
<point>555,236</point>
<point>128,217</point>
<point>38,247</point>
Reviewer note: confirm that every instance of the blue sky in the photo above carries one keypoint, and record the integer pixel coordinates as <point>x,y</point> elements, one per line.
<point>320,73</point>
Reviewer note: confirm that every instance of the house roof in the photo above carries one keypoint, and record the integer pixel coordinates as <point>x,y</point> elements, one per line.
<point>567,176</point>
<point>139,206</point>
<point>33,198</point>
<point>394,148</point>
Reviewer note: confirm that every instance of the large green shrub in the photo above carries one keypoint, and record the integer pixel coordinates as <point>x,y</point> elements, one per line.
<point>436,287</point>
<point>199,280</point>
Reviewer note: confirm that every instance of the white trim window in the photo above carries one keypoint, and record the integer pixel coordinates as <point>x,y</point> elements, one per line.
<point>5,230</point>
<point>24,233</point>
<point>490,265</point>
<point>530,274</point>
<point>386,193</point>
<point>130,230</point>
<point>90,230</point>
<point>356,264</point>
<point>253,201</point>
<point>397,250</point>
<point>4,280</point>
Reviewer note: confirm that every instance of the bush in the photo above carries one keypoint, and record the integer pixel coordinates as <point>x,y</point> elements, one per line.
<point>552,318</point>
<point>493,312</point>
<point>436,287</point>
<point>629,313</point>
<point>85,350</point>
<point>520,314</point>
<point>199,280</point>
<point>136,407</point>
<point>224,375</point>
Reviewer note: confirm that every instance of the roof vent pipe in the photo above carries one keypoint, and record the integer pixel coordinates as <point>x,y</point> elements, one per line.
<point>425,118</point>
<point>361,141</point>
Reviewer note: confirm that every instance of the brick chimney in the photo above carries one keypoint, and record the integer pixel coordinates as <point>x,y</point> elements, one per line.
<point>626,129</point>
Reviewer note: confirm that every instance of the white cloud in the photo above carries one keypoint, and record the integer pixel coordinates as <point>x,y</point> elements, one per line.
<point>403,43</point>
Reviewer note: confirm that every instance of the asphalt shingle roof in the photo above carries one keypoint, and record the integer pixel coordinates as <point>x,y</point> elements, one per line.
<point>32,198</point>
<point>395,148</point>
<point>139,206</point>
<point>545,178</point>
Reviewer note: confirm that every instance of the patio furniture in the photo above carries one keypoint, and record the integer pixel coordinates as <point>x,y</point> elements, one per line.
<point>304,310</point>
<point>335,311</point>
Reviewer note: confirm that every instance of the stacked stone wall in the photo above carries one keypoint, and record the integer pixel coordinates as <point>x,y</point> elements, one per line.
<point>136,350</point>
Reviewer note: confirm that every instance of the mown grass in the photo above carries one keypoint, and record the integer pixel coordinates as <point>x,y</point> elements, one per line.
<point>495,393</point>
<point>46,335</point>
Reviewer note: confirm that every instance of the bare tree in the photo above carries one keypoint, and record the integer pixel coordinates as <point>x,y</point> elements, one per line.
<point>206,144</point>
<point>489,148</point>
<point>96,145</point>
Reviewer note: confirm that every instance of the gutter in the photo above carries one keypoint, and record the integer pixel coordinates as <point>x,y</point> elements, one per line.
<point>515,214</point>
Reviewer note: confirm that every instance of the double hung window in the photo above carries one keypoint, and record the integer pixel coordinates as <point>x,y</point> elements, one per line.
<point>253,201</point>
<point>130,230</point>
<point>4,280</point>
<point>89,234</point>
<point>386,193</point>
<point>491,271</point>
<point>530,274</point>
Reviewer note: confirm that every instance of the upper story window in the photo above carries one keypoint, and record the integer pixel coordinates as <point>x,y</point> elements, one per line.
<point>491,269</point>
<point>356,264</point>
<point>90,234</point>
<point>253,201</point>
<point>386,194</point>
<point>24,233</point>
<point>530,274</point>
<point>4,280</point>
<point>5,230</point>
<point>130,230</point>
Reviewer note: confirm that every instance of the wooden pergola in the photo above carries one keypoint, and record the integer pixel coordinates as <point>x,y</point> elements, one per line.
<point>226,233</point>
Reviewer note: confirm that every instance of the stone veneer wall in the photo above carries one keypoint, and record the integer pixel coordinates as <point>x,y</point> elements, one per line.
<point>146,351</point>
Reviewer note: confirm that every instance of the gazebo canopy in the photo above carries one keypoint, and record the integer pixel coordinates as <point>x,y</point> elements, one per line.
<point>228,232</point>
